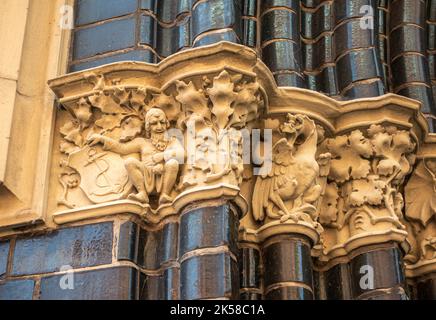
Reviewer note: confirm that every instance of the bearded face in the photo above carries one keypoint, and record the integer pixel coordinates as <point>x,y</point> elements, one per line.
<point>156,122</point>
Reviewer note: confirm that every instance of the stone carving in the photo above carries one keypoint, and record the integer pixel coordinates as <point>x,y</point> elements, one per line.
<point>365,175</point>
<point>420,194</point>
<point>212,116</point>
<point>120,142</point>
<point>158,167</point>
<point>288,188</point>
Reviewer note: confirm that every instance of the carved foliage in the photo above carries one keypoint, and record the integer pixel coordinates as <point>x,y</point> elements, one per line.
<point>366,171</point>
<point>420,194</point>
<point>108,135</point>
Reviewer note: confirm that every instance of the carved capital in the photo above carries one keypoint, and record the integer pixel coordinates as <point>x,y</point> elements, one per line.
<point>362,202</point>
<point>160,149</point>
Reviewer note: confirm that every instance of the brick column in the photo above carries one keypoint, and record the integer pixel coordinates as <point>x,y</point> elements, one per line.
<point>288,268</point>
<point>208,252</point>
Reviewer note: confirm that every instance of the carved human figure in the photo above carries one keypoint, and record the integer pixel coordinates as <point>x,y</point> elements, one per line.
<point>160,158</point>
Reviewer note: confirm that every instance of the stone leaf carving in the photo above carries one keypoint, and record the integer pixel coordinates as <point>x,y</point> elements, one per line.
<point>366,172</point>
<point>420,194</point>
<point>349,156</point>
<point>117,138</point>
<point>211,116</point>
<point>289,189</point>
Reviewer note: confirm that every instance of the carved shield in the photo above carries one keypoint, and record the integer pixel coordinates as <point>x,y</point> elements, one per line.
<point>103,175</point>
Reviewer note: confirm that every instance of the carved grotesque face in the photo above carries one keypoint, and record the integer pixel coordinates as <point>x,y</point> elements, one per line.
<point>156,121</point>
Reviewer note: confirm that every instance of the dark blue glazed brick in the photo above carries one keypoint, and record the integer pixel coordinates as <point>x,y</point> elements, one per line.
<point>208,227</point>
<point>387,266</point>
<point>4,252</point>
<point>106,37</point>
<point>103,284</point>
<point>89,11</point>
<point>17,290</point>
<point>77,247</point>
<point>287,260</point>
<point>209,276</point>
<point>147,30</point>
<point>157,247</point>
<point>212,38</point>
<point>142,55</point>
<point>127,241</point>
<point>216,14</point>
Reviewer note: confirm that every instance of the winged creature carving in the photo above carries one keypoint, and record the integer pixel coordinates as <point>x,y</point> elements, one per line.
<point>289,189</point>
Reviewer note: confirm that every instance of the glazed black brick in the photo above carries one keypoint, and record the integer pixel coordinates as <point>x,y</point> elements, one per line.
<point>250,296</point>
<point>149,249</point>
<point>286,25</point>
<point>4,252</point>
<point>171,280</point>
<point>104,284</point>
<point>17,290</point>
<point>216,14</point>
<point>249,266</point>
<point>358,65</point>
<point>157,247</point>
<point>361,90</point>
<point>276,56</point>
<point>90,11</point>
<point>215,37</point>
<point>290,4</point>
<point>160,287</point>
<point>77,247</point>
<point>427,289</point>
<point>388,270</point>
<point>208,227</point>
<point>103,38</point>
<point>151,287</point>
<point>337,282</point>
<point>127,241</point>
<point>351,9</point>
<point>287,260</point>
<point>289,293</point>
<point>144,55</point>
<point>209,276</point>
